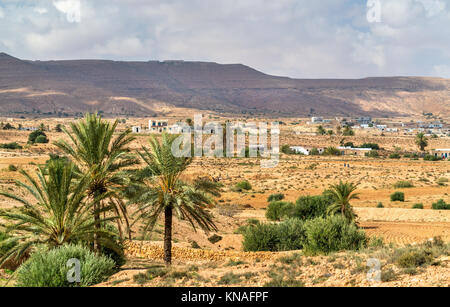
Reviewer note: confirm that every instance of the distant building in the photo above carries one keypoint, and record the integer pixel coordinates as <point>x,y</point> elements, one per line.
<point>364,120</point>
<point>345,151</point>
<point>136,129</point>
<point>158,126</point>
<point>442,153</point>
<point>316,120</point>
<point>305,150</point>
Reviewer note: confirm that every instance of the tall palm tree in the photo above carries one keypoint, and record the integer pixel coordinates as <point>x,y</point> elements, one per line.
<point>421,141</point>
<point>60,213</point>
<point>96,151</point>
<point>165,194</point>
<point>342,194</point>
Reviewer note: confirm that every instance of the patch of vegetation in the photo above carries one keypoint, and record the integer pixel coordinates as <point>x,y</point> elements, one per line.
<point>388,275</point>
<point>331,151</point>
<point>50,269</point>
<point>380,205</point>
<point>398,196</point>
<point>275,197</point>
<point>334,233</point>
<point>242,186</point>
<point>12,146</point>
<point>394,156</point>
<point>440,205</point>
<point>288,235</point>
<point>403,184</point>
<point>278,210</point>
<point>37,136</point>
<point>417,206</point>
<point>229,279</point>
<point>215,238</point>
<point>12,168</point>
<point>431,158</point>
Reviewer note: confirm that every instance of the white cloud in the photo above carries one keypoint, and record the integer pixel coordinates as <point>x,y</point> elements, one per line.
<point>442,71</point>
<point>2,14</point>
<point>296,38</point>
<point>72,9</point>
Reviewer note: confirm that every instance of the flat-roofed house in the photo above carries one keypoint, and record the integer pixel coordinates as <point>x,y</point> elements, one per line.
<point>442,153</point>
<point>158,126</point>
<point>345,151</point>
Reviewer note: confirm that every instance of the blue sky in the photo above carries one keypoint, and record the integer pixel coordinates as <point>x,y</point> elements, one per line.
<point>295,38</point>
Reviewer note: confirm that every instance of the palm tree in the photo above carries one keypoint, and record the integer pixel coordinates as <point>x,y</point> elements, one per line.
<point>321,130</point>
<point>60,213</point>
<point>342,194</point>
<point>421,141</point>
<point>95,151</point>
<point>165,194</point>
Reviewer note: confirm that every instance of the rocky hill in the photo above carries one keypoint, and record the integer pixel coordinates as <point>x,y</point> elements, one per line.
<point>65,88</point>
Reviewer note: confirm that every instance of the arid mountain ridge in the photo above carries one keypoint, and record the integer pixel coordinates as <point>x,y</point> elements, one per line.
<point>65,88</point>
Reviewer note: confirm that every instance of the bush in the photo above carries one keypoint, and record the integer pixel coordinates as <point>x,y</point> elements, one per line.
<point>242,186</point>
<point>431,158</point>
<point>12,168</point>
<point>372,154</point>
<point>380,205</point>
<point>288,235</point>
<point>417,206</point>
<point>331,151</point>
<point>49,268</point>
<point>215,238</point>
<point>394,156</point>
<point>12,146</point>
<point>334,233</point>
<point>370,145</point>
<point>278,210</point>
<point>414,258</point>
<point>440,205</point>
<point>35,134</point>
<point>403,184</point>
<point>42,139</point>
<point>398,196</point>
<point>309,207</point>
<point>314,152</point>
<point>275,197</point>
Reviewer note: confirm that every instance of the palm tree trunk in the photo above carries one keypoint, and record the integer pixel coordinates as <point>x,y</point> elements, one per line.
<point>97,227</point>
<point>168,236</point>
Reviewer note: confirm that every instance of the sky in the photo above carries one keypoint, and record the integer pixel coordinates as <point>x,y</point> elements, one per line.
<point>294,38</point>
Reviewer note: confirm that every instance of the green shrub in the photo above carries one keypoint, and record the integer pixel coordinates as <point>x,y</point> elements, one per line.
<point>380,205</point>
<point>242,186</point>
<point>372,146</point>
<point>334,233</point>
<point>278,210</point>
<point>42,139</point>
<point>398,196</point>
<point>34,135</point>
<point>309,207</point>
<point>372,154</point>
<point>414,258</point>
<point>275,197</point>
<point>12,168</point>
<point>288,235</point>
<point>215,238</point>
<point>417,206</point>
<point>394,156</point>
<point>12,146</point>
<point>50,269</point>
<point>331,151</point>
<point>440,205</point>
<point>314,152</point>
<point>403,184</point>
<point>431,158</point>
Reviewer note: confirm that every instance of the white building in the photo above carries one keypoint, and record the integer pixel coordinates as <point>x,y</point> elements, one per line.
<point>158,126</point>
<point>136,129</point>
<point>316,120</point>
